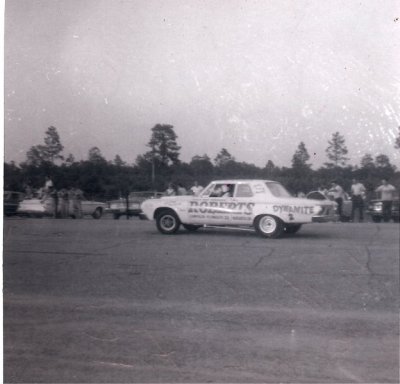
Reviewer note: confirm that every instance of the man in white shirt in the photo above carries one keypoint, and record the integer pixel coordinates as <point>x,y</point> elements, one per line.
<point>357,198</point>
<point>337,192</point>
<point>196,189</point>
<point>387,192</point>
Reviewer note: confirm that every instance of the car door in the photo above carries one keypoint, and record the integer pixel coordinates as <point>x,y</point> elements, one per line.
<point>213,206</point>
<point>242,204</point>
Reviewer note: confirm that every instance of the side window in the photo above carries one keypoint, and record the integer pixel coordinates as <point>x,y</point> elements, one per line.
<point>222,190</point>
<point>243,190</point>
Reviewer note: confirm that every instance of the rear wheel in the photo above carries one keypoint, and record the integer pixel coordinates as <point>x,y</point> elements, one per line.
<point>292,228</point>
<point>167,222</point>
<point>269,226</point>
<point>97,213</point>
<point>191,227</point>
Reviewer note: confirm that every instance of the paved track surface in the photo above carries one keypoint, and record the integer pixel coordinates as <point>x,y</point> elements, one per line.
<point>115,301</point>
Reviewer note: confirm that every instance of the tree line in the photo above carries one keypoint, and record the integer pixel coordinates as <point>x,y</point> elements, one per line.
<point>103,179</point>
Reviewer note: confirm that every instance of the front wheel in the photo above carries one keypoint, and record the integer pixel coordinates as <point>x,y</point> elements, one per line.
<point>269,226</point>
<point>167,222</point>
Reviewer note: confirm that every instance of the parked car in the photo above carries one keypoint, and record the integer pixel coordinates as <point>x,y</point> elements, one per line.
<point>11,202</point>
<point>43,207</point>
<point>346,207</point>
<point>130,206</point>
<point>263,205</point>
<point>375,209</point>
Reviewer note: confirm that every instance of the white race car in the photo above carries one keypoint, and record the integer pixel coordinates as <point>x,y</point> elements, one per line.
<point>44,207</point>
<point>263,205</point>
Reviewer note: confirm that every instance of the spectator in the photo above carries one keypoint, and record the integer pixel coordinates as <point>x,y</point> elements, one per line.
<point>48,184</point>
<point>387,192</point>
<point>181,190</point>
<point>28,192</point>
<point>196,189</point>
<point>337,192</point>
<point>76,196</point>
<point>63,203</point>
<point>50,200</point>
<point>357,198</point>
<point>323,190</point>
<point>170,190</point>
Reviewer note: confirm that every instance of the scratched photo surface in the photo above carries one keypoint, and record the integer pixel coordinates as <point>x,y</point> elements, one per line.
<point>110,104</point>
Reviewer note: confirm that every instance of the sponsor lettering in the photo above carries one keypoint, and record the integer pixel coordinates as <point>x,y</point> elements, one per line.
<point>293,209</point>
<point>220,207</point>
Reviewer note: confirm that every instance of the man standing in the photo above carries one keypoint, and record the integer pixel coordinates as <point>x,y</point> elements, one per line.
<point>196,189</point>
<point>63,203</point>
<point>386,191</point>
<point>76,196</point>
<point>337,192</point>
<point>357,198</point>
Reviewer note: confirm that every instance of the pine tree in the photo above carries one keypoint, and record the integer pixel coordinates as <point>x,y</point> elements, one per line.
<point>300,157</point>
<point>163,144</point>
<point>336,151</point>
<point>223,158</point>
<point>47,153</point>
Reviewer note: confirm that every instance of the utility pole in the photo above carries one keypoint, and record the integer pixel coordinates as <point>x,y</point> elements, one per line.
<point>153,170</point>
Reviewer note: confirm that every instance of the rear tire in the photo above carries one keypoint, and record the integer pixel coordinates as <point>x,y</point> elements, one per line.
<point>269,226</point>
<point>97,213</point>
<point>167,222</point>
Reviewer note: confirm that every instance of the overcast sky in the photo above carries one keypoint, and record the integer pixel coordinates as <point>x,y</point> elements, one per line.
<point>256,77</point>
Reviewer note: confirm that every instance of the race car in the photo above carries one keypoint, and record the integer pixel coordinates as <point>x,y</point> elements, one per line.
<point>263,205</point>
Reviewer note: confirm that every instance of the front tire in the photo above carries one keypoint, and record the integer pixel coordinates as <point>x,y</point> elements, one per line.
<point>167,222</point>
<point>269,226</point>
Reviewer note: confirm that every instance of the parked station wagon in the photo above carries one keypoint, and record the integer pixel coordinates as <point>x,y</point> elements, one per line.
<point>263,205</point>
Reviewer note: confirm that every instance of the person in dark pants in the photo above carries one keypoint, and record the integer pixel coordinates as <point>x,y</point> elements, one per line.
<point>357,198</point>
<point>387,192</point>
<point>337,192</point>
<point>63,203</point>
<point>52,197</point>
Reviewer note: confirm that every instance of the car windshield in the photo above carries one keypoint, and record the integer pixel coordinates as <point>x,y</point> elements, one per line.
<point>277,189</point>
<point>316,195</point>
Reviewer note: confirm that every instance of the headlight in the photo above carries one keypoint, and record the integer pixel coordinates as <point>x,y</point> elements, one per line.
<point>376,206</point>
<point>319,209</point>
